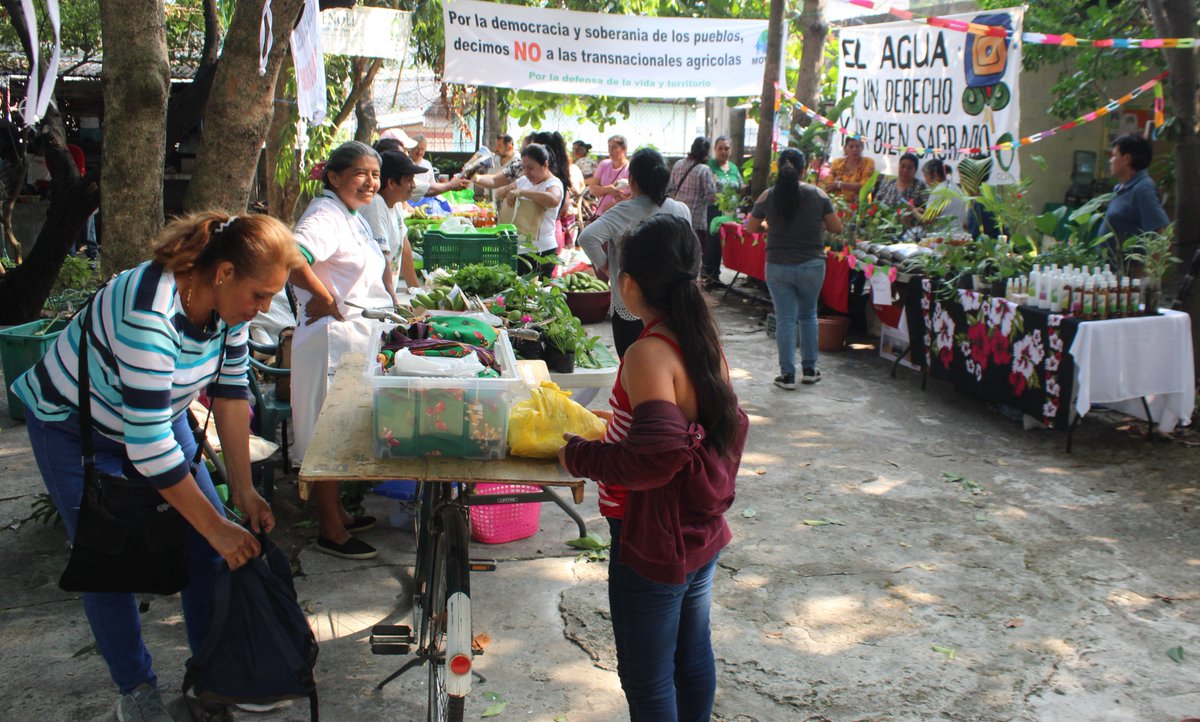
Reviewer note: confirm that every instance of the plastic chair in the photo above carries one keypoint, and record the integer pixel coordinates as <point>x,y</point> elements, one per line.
<point>269,412</point>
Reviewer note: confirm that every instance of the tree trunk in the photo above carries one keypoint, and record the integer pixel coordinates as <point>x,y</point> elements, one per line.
<point>1177,19</point>
<point>281,198</point>
<point>239,110</point>
<point>137,81</point>
<point>766,120</point>
<point>492,126</point>
<point>812,56</point>
<point>24,290</point>
<point>364,107</point>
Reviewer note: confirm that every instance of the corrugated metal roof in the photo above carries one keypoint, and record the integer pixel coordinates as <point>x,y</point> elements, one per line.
<point>14,63</point>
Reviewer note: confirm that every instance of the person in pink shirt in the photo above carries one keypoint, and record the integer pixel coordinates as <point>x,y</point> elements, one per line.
<point>611,181</point>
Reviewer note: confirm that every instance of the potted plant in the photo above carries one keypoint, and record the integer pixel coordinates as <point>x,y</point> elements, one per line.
<point>1152,251</point>
<point>562,337</point>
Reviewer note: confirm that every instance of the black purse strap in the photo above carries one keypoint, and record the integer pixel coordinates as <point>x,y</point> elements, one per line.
<point>687,173</point>
<point>87,446</point>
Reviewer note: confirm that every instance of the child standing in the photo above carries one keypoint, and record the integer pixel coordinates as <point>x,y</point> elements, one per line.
<point>668,463</point>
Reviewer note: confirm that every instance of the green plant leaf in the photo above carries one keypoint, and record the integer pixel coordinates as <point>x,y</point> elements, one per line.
<point>822,522</point>
<point>591,541</point>
<point>749,513</point>
<point>950,652</point>
<point>494,709</point>
<point>1176,654</point>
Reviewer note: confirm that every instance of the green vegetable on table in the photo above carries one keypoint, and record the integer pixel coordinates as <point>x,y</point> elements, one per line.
<point>583,283</point>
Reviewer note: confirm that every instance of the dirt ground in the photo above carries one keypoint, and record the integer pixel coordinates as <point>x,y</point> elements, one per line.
<point>898,554</point>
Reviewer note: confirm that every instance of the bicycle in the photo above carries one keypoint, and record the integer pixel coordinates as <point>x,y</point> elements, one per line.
<point>441,629</point>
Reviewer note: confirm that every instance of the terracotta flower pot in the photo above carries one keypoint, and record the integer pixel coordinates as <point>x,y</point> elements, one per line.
<point>832,332</point>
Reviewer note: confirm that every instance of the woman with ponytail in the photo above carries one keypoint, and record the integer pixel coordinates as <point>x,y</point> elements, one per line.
<point>156,335</point>
<point>666,468</point>
<point>795,215</point>
<point>541,188</point>
<point>601,240</point>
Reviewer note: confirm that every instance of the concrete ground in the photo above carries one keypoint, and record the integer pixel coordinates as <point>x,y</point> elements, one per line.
<point>897,555</point>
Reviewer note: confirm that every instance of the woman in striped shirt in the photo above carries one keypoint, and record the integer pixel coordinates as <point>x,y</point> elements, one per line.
<point>155,336</point>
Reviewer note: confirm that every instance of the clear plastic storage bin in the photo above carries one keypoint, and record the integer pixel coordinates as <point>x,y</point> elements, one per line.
<point>439,416</point>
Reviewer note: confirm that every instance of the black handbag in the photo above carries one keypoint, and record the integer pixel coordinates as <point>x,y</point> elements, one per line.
<point>128,538</point>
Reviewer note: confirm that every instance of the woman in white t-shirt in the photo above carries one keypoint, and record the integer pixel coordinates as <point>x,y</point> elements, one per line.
<point>539,187</point>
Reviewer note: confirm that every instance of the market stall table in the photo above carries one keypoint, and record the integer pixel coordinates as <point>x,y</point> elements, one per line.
<point>746,253</point>
<point>343,449</point>
<point>1052,367</point>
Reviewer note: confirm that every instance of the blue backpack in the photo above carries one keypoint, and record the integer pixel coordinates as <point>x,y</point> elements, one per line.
<point>259,647</point>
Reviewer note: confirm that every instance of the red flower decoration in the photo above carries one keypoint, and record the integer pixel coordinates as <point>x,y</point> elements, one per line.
<point>1017,381</point>
<point>1001,350</point>
<point>317,172</point>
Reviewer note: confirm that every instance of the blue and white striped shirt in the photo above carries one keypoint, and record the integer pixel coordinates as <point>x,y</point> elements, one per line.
<point>146,362</point>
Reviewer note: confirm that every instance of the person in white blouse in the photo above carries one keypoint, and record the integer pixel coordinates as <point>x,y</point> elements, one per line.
<point>345,265</point>
<point>541,188</point>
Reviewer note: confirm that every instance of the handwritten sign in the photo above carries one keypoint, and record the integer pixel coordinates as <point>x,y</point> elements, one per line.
<point>923,87</point>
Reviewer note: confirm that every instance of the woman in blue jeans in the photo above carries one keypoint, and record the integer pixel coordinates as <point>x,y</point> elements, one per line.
<point>795,216</point>
<point>157,334</point>
<point>674,443</point>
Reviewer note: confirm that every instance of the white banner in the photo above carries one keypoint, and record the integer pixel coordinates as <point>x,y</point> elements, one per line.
<point>309,64</point>
<point>366,31</point>
<point>923,87</point>
<point>562,51</point>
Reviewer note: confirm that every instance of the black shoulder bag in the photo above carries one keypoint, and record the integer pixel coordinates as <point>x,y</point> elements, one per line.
<point>128,539</point>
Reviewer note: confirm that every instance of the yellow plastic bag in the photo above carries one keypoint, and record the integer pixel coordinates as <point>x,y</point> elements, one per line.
<point>536,425</point>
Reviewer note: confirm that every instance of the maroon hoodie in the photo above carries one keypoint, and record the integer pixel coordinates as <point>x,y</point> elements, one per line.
<point>679,488</point>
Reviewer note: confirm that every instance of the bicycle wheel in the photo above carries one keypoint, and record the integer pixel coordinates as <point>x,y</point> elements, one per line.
<point>448,650</point>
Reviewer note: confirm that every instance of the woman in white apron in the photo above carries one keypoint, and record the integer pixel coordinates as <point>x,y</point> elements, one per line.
<point>345,265</point>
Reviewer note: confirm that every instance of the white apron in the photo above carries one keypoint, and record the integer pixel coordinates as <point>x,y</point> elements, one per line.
<point>350,264</point>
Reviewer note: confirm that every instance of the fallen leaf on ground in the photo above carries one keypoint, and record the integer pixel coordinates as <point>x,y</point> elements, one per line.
<point>981,516</point>
<point>773,635</point>
<point>822,522</point>
<point>760,471</point>
<point>749,513</point>
<point>893,463</point>
<point>1014,623</point>
<point>1176,653</point>
<point>927,567</point>
<point>906,545</point>
<point>1001,462</point>
<point>481,641</point>
<point>497,705</point>
<point>948,651</point>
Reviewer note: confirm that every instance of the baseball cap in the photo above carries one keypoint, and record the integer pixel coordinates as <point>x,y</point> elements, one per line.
<point>397,164</point>
<point>400,135</point>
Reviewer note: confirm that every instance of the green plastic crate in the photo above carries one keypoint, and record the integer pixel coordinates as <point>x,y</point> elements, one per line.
<point>20,348</point>
<point>489,246</point>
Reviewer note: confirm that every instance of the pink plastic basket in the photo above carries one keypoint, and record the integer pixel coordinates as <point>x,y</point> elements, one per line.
<point>501,523</point>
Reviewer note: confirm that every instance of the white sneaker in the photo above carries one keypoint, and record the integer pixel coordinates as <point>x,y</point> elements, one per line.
<point>143,704</point>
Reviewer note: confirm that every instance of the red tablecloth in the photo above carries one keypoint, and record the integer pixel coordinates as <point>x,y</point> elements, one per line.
<point>744,252</point>
<point>747,253</point>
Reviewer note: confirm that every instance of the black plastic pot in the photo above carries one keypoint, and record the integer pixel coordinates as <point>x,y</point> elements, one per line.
<point>528,350</point>
<point>559,362</point>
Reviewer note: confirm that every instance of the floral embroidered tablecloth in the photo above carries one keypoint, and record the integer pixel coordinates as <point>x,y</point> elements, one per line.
<point>996,350</point>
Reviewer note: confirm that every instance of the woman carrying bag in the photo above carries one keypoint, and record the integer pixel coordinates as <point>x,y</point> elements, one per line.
<point>155,336</point>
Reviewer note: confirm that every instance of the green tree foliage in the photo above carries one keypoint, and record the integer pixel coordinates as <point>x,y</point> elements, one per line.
<point>1091,76</point>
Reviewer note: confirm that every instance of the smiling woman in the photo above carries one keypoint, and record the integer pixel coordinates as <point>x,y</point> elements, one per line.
<point>346,271</point>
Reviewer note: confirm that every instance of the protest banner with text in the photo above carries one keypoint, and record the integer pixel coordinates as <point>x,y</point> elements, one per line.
<point>934,91</point>
<point>366,32</point>
<point>563,51</point>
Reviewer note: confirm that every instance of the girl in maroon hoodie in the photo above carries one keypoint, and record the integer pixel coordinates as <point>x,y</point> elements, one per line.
<point>674,442</point>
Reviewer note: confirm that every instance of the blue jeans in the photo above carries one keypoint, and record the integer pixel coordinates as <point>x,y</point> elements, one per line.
<point>795,288</point>
<point>114,617</point>
<point>664,646</point>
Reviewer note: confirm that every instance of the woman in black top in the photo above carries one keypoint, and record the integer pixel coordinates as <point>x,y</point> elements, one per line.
<point>795,215</point>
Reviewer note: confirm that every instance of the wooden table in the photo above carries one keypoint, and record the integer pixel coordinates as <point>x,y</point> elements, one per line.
<point>343,449</point>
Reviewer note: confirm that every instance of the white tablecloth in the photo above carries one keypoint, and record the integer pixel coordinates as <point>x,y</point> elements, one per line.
<point>1120,361</point>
